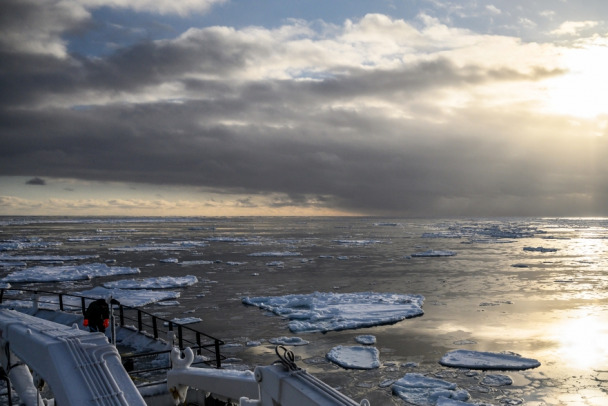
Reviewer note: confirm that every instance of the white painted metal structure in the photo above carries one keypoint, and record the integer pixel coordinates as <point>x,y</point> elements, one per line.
<point>81,368</point>
<point>274,385</point>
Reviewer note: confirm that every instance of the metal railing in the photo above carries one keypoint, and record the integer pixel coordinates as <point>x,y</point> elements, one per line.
<point>144,322</point>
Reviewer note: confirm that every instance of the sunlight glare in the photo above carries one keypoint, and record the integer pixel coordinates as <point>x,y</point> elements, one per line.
<point>582,341</point>
<point>582,91</point>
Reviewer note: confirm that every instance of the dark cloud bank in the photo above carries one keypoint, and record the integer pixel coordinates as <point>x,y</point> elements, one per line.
<point>291,137</point>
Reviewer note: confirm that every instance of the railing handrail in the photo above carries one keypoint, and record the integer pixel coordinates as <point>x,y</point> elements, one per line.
<point>216,342</point>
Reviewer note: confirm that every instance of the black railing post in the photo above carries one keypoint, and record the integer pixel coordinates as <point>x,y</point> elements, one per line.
<point>139,322</point>
<point>218,358</point>
<point>1,295</point>
<point>198,343</point>
<point>154,327</point>
<point>60,302</point>
<point>121,315</point>
<point>180,337</point>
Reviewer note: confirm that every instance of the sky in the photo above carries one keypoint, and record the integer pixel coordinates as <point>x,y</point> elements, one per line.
<point>404,108</point>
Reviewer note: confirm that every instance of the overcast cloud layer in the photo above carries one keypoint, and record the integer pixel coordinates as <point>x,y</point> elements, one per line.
<point>428,110</point>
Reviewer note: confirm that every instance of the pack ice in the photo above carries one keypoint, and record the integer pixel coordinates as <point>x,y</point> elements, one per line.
<point>322,312</point>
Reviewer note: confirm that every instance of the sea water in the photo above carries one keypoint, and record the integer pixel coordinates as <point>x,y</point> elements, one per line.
<point>537,287</point>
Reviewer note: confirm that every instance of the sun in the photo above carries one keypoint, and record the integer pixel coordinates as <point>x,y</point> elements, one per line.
<point>582,92</point>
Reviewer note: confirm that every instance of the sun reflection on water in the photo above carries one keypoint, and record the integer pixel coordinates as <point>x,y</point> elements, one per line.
<point>582,340</point>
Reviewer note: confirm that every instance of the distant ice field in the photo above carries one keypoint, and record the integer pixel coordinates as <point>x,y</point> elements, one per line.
<point>491,288</point>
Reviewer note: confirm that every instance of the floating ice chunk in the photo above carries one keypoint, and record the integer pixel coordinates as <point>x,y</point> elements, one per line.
<point>295,341</point>
<point>161,282</point>
<point>340,311</point>
<point>227,239</point>
<point>434,253</point>
<point>169,260</point>
<point>414,380</point>
<point>278,264</point>
<point>497,380</point>
<point>67,273</point>
<point>540,249</point>
<point>196,262</point>
<point>366,339</point>
<point>15,245</point>
<point>168,303</point>
<point>184,320</point>
<point>355,357</point>
<point>442,234</point>
<point>487,360</point>
<point>452,402</point>
<point>254,343</point>
<point>275,254</point>
<point>47,258</point>
<point>465,342</point>
<point>152,247</point>
<point>421,390</point>
<point>12,264</point>
<point>130,297</point>
<point>357,243</point>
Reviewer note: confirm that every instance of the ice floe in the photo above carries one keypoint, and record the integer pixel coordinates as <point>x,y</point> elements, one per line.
<point>497,380</point>
<point>540,249</point>
<point>487,360</point>
<point>47,258</point>
<point>130,297</point>
<point>366,339</point>
<point>355,357</point>
<point>184,320</point>
<point>357,243</point>
<point>196,262</point>
<point>161,282</point>
<point>434,253</point>
<point>295,341</point>
<point>67,273</point>
<point>421,390</point>
<point>175,246</point>
<point>321,312</point>
<point>275,254</point>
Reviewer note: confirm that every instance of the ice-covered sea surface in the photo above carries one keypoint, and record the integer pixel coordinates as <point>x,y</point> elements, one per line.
<point>533,287</point>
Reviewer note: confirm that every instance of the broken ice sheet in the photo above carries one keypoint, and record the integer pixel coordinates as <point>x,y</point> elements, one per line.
<point>322,312</point>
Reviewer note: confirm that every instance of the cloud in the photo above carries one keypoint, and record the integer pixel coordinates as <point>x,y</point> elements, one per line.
<point>35,27</point>
<point>181,7</point>
<point>573,27</point>
<point>36,181</point>
<point>375,116</point>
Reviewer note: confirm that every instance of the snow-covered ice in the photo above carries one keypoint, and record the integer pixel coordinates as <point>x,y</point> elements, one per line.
<point>366,339</point>
<point>434,253</point>
<point>67,273</point>
<point>355,357</point>
<point>497,380</point>
<point>185,320</point>
<point>175,246</point>
<point>321,312</point>
<point>130,297</point>
<point>295,341</point>
<point>275,254</point>
<point>487,360</point>
<point>47,258</point>
<point>421,390</point>
<point>161,282</point>
<point>540,249</point>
